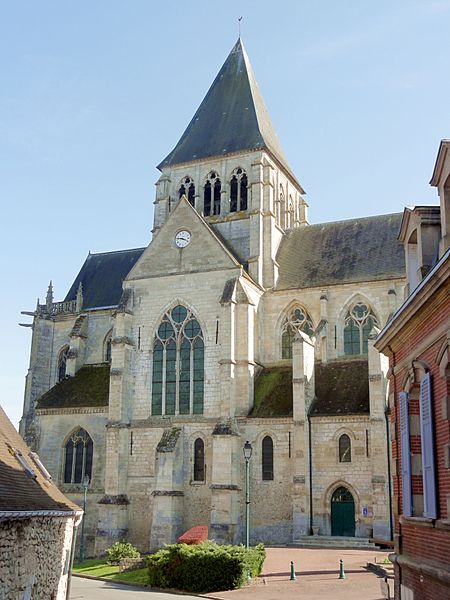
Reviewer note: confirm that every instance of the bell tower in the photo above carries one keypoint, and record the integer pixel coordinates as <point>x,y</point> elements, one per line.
<point>230,165</point>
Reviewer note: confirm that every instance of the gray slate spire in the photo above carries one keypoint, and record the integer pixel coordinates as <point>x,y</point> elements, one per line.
<point>231,118</point>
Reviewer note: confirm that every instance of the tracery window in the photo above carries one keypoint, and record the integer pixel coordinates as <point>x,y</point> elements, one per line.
<point>298,320</point>
<point>178,365</point>
<point>359,322</point>
<point>267,458</point>
<point>199,460</point>
<point>345,449</point>
<point>187,188</point>
<point>62,363</point>
<point>238,190</point>
<point>78,451</point>
<point>211,195</point>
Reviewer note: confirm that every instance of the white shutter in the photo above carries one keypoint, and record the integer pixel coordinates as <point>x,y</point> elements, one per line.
<point>405,455</point>
<point>426,430</point>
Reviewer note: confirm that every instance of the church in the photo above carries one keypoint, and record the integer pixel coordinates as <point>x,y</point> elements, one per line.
<point>239,324</point>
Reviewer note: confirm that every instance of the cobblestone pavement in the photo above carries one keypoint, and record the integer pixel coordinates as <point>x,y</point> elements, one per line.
<point>317,574</point>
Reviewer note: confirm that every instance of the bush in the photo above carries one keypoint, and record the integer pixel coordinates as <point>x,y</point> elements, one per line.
<point>121,550</point>
<point>205,567</point>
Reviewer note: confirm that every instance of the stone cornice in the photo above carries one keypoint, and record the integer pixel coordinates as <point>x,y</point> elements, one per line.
<point>88,410</point>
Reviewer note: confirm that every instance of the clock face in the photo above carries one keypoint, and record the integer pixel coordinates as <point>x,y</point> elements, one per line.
<point>182,238</point>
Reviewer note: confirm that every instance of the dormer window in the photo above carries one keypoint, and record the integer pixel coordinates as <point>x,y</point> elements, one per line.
<point>238,190</point>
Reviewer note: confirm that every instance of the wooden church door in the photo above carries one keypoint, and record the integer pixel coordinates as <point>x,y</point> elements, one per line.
<point>342,513</point>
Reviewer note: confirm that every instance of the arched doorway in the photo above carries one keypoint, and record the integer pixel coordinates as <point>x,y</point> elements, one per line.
<point>342,513</point>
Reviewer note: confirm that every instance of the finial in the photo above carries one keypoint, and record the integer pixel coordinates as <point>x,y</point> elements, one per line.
<point>79,304</point>
<point>49,297</point>
<point>239,26</point>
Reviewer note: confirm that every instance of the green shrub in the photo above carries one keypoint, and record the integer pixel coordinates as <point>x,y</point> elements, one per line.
<point>121,550</point>
<point>205,567</point>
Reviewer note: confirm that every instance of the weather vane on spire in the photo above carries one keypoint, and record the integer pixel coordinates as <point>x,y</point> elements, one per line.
<point>239,25</point>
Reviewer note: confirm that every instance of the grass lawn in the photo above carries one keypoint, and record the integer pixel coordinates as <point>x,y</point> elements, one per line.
<point>98,567</point>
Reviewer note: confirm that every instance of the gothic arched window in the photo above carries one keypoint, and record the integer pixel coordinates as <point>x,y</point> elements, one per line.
<point>267,458</point>
<point>187,188</point>
<point>107,347</point>
<point>199,460</point>
<point>62,363</point>
<point>178,365</point>
<point>211,195</point>
<point>345,449</point>
<point>238,190</point>
<point>78,451</point>
<point>298,320</point>
<point>359,321</point>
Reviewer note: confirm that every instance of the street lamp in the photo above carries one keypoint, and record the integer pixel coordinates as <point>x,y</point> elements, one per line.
<point>85,485</point>
<point>247,456</point>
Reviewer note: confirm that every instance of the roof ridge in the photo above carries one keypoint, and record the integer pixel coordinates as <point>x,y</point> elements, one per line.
<point>345,221</point>
<point>116,251</point>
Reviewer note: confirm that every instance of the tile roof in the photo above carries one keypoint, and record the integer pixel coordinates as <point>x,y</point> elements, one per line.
<point>102,275</point>
<point>231,118</point>
<point>341,388</point>
<point>350,251</point>
<point>20,491</point>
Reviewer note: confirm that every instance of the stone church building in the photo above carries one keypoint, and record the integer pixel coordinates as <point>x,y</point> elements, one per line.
<point>239,322</point>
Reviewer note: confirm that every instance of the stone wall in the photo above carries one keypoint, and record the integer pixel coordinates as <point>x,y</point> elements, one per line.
<point>35,558</point>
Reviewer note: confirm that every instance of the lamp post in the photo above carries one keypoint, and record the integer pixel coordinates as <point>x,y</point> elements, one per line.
<point>85,487</point>
<point>247,456</point>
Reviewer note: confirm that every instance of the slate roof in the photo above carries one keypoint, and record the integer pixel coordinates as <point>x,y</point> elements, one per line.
<point>342,388</point>
<point>20,491</point>
<point>232,117</point>
<point>341,252</point>
<point>89,387</point>
<point>102,275</point>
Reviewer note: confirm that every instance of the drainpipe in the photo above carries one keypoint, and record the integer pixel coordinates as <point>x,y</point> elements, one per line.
<point>310,477</point>
<point>387,414</point>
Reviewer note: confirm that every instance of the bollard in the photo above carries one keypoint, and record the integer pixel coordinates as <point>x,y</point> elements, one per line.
<point>293,577</point>
<point>341,569</point>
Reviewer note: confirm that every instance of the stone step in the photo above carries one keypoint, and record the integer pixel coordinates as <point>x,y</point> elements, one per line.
<point>328,541</point>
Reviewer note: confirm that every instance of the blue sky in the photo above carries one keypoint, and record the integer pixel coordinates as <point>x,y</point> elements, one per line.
<point>94,94</point>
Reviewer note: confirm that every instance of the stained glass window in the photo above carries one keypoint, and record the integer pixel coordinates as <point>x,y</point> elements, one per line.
<point>359,322</point>
<point>199,460</point>
<point>298,320</point>
<point>345,449</point>
<point>78,454</point>
<point>178,365</point>
<point>267,459</point>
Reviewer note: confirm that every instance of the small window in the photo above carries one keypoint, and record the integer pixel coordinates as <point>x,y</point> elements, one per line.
<point>345,449</point>
<point>78,457</point>
<point>199,460</point>
<point>62,363</point>
<point>267,459</point>
<point>107,347</point>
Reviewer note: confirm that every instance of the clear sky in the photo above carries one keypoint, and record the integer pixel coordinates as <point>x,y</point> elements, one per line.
<point>94,94</point>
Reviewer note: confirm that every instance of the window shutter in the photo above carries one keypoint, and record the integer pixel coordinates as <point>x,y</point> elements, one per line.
<point>426,430</point>
<point>405,455</point>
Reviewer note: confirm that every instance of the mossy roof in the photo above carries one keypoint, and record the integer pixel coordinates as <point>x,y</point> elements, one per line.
<point>273,393</point>
<point>342,388</point>
<point>89,387</point>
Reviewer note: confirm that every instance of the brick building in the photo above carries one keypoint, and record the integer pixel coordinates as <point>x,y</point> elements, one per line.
<point>417,342</point>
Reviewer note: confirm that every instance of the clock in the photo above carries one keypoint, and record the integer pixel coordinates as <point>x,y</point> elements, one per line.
<point>182,238</point>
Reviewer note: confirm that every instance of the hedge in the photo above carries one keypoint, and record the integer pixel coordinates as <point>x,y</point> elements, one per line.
<point>205,567</point>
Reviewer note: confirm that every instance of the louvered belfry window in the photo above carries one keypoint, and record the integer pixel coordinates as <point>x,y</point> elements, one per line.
<point>178,365</point>
<point>267,458</point>
<point>78,452</point>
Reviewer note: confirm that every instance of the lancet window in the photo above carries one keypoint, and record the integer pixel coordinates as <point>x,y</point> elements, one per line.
<point>267,458</point>
<point>78,451</point>
<point>238,190</point>
<point>107,347</point>
<point>187,188</point>
<point>298,320</point>
<point>62,363</point>
<point>211,195</point>
<point>199,460</point>
<point>178,365</point>
<point>345,449</point>
<point>359,321</point>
